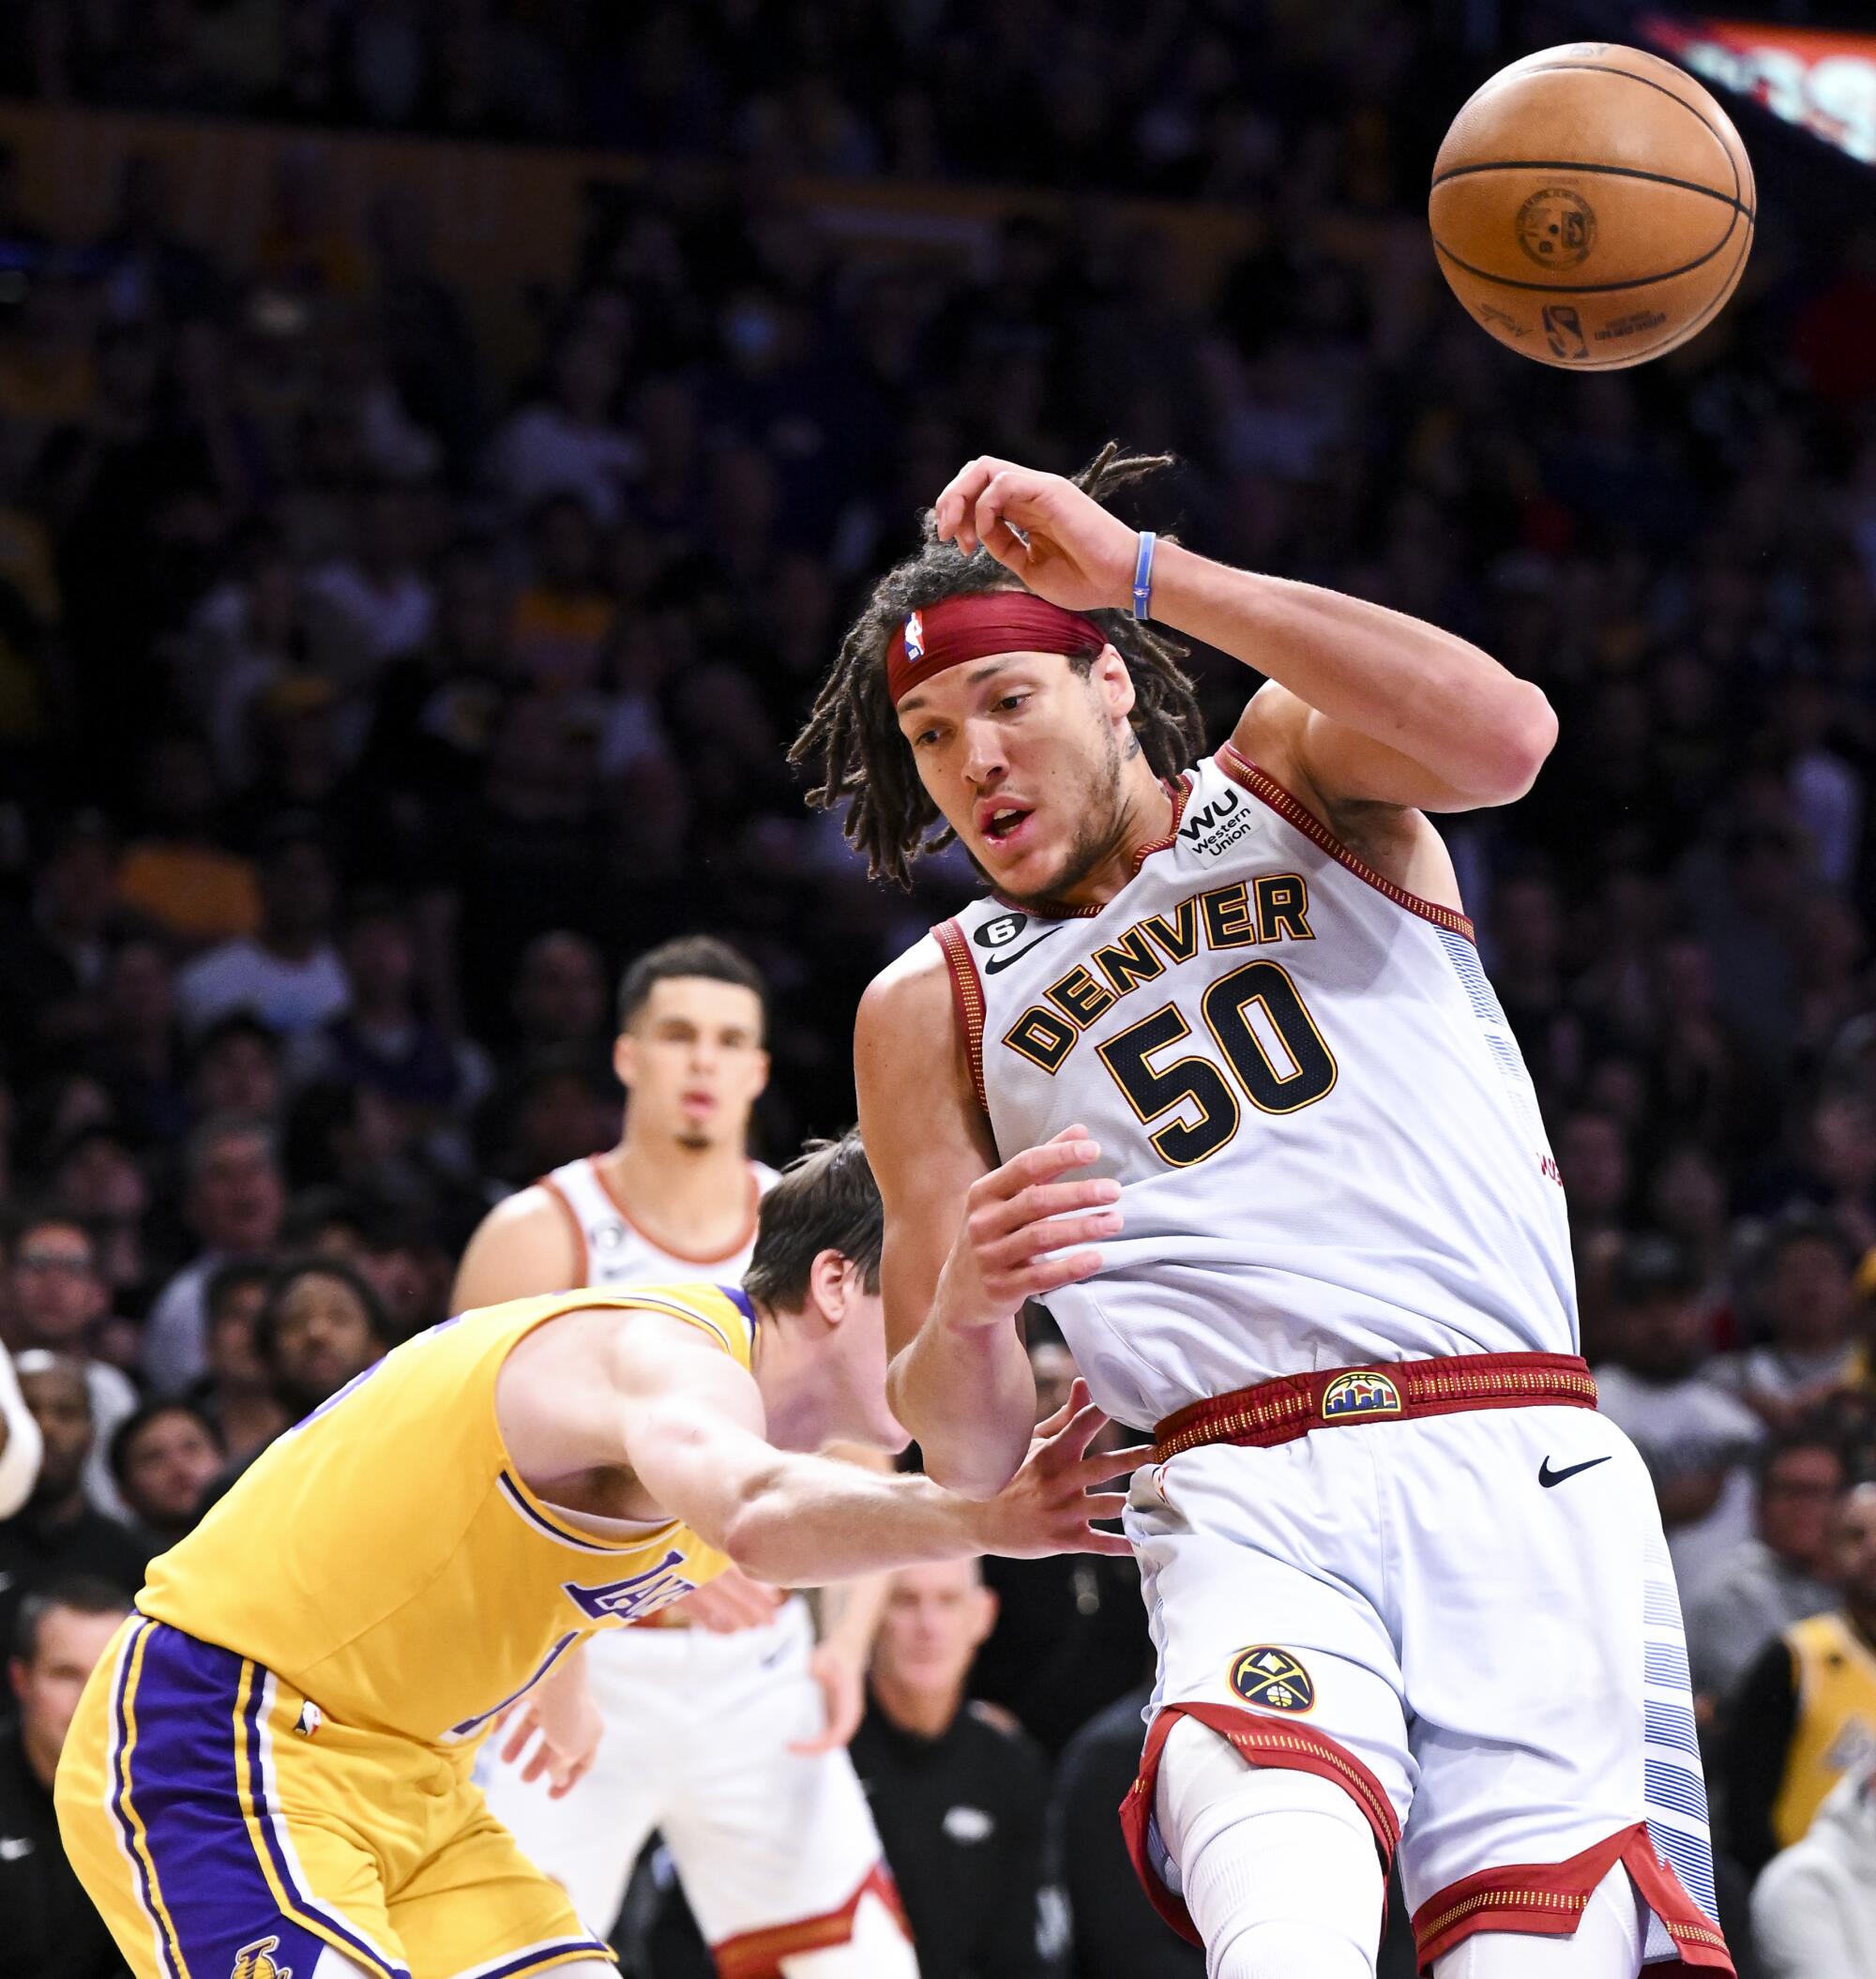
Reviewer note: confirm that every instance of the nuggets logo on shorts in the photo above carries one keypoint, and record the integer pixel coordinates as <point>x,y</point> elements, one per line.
<point>255,1961</point>
<point>1359,1394</point>
<point>1272,1679</point>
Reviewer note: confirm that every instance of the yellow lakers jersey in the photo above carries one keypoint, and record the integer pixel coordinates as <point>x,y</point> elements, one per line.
<point>386,1559</point>
<point>1836,1728</point>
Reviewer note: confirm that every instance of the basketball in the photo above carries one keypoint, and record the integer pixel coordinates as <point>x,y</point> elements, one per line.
<point>1591,207</point>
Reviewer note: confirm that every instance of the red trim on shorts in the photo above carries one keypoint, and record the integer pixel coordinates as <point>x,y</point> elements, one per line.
<point>758,1954</point>
<point>1260,783</point>
<point>1264,1741</point>
<point>1279,1411</point>
<point>967,993</point>
<point>1547,1901</point>
<point>671,1250</point>
<point>559,1195</point>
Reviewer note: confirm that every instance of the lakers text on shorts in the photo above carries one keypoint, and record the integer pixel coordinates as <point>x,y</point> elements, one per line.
<point>220,1822</point>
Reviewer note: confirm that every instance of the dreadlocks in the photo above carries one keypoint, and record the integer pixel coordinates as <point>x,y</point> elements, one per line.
<point>852,737</point>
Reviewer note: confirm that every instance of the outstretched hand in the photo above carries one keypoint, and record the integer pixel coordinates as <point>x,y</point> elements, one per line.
<point>1026,1231</point>
<point>1050,1504</point>
<point>1062,543</point>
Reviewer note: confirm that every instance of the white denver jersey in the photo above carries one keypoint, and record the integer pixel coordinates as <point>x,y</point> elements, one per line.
<point>1329,1149</point>
<point>615,1252</point>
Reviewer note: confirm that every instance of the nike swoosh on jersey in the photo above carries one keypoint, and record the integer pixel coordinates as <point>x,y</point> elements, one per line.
<point>1550,1478</point>
<point>999,963</point>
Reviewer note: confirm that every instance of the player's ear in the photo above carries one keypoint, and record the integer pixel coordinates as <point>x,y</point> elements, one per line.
<point>830,1280</point>
<point>1113,683</point>
<point>988,1609</point>
<point>625,1058</point>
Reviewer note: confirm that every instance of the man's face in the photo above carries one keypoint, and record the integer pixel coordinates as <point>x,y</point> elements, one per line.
<point>1853,1549</point>
<point>235,1195</point>
<point>936,1617</point>
<point>323,1338</point>
<point>53,1285</point>
<point>167,1467</point>
<point>61,1405</point>
<point>1809,1296</point>
<point>1666,1333</point>
<point>1796,1502</point>
<point>1024,757</point>
<point>232,1357</point>
<point>561,994</point>
<point>692,1060</point>
<point>49,1686</point>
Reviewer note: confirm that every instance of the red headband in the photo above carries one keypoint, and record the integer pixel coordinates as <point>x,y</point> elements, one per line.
<point>961,629</point>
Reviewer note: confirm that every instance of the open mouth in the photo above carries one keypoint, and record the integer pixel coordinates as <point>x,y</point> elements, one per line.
<point>1005,822</point>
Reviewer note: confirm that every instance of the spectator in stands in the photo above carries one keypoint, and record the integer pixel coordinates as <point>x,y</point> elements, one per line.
<point>1115,1933</point>
<point>287,973</point>
<point>565,442</point>
<point>52,1929</point>
<point>58,1531</point>
<point>138,1056</point>
<point>236,1068</point>
<point>1814,1908</point>
<point>322,1325</point>
<point>237,1395</point>
<point>559,998</point>
<point>380,1040</point>
<point>232,1200</point>
<point>52,959</point>
<point>164,1457</point>
<point>1695,1438</point>
<point>1805,1711</point>
<point>958,1793</point>
<point>1806,1286</point>
<point>56,1298</point>
<point>1775,1577</point>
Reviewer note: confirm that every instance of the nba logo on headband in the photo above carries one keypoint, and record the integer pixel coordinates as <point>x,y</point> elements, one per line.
<point>915,639</point>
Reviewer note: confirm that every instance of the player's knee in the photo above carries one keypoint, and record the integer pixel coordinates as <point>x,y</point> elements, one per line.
<point>1278,1867</point>
<point>1288,1949</point>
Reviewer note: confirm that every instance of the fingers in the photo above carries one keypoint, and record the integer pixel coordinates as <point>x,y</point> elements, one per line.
<point>954,514</point>
<point>565,1783</point>
<point>1078,1398</point>
<point>1074,1147</point>
<point>1042,1200</point>
<point>1112,1463</point>
<point>516,1742</point>
<point>1004,491</point>
<point>1116,1545</point>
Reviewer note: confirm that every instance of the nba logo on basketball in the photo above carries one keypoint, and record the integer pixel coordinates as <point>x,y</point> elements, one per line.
<point>1359,1394</point>
<point>915,638</point>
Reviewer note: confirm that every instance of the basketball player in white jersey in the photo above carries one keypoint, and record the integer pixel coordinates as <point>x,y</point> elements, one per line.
<point>727,1727</point>
<point>1224,1017</point>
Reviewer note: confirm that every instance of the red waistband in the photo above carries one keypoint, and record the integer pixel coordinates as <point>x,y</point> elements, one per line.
<point>1278,1411</point>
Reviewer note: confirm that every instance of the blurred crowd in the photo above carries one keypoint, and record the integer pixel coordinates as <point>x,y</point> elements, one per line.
<point>364,707</point>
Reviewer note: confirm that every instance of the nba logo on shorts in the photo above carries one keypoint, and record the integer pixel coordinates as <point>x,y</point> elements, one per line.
<point>1359,1394</point>
<point>255,1961</point>
<point>915,638</point>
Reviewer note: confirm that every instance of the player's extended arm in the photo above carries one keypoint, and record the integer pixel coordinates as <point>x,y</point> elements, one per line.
<point>1371,705</point>
<point>964,1239</point>
<point>693,1436</point>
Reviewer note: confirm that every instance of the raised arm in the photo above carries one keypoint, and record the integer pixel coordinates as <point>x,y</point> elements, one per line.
<point>966,1242</point>
<point>1370,707</point>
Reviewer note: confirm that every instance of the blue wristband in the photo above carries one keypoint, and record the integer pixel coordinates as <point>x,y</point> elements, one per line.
<point>1142,576</point>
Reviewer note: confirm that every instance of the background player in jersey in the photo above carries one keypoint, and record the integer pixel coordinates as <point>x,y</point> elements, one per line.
<point>270,1771</point>
<point>762,1812</point>
<point>1241,991</point>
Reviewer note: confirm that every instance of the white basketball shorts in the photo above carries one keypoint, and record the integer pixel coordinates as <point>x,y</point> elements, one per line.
<point>697,1734</point>
<point>1469,1621</point>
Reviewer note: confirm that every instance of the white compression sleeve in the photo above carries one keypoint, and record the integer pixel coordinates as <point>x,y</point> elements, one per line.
<point>1278,1867</point>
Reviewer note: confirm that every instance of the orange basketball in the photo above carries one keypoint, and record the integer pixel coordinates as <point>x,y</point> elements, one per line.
<point>1591,207</point>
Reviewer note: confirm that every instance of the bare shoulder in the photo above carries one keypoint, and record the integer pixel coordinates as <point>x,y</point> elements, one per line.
<point>905,1029</point>
<point>524,1246</point>
<point>1300,750</point>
